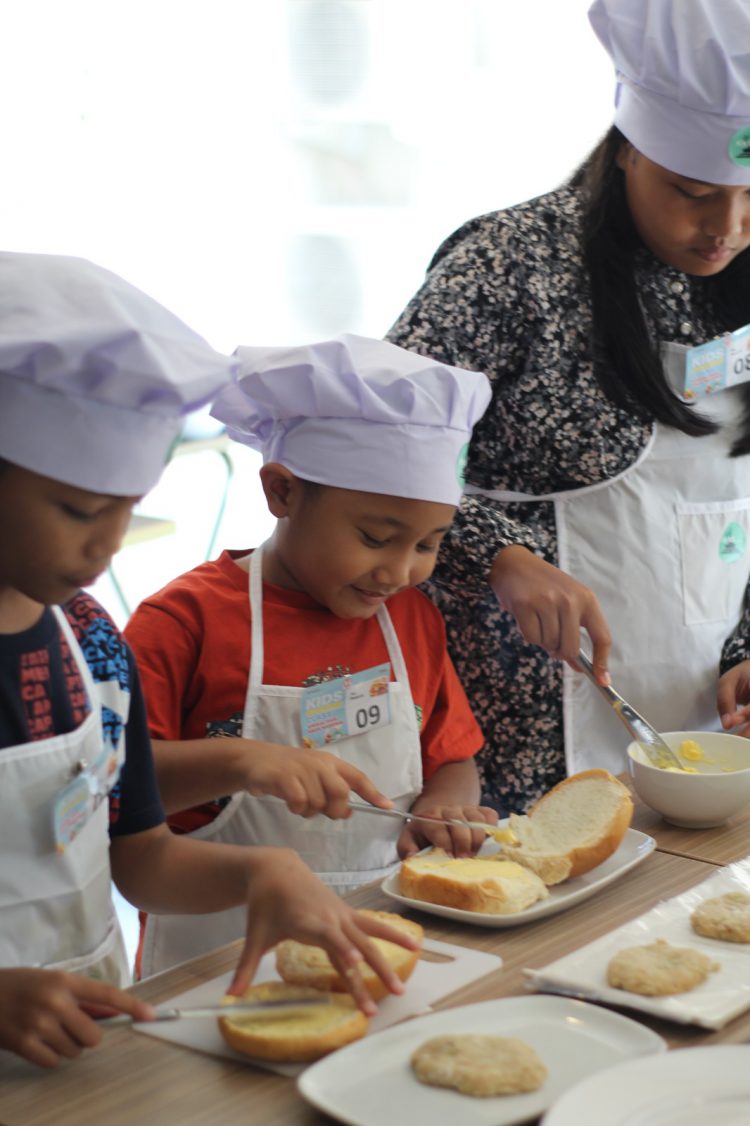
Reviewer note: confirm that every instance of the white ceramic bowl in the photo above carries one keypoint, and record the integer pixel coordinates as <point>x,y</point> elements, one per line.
<point>720,789</point>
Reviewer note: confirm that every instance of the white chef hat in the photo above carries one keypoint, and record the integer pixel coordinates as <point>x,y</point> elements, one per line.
<point>683,82</point>
<point>95,376</point>
<point>359,414</point>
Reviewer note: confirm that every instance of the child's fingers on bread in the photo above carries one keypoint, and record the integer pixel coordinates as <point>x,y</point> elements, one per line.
<point>456,840</point>
<point>246,968</point>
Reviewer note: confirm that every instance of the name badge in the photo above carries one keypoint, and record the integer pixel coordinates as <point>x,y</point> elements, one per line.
<point>348,705</point>
<point>76,802</point>
<point>710,367</point>
<point>73,807</point>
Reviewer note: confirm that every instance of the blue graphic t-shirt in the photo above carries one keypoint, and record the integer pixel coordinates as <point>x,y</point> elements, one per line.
<point>42,695</point>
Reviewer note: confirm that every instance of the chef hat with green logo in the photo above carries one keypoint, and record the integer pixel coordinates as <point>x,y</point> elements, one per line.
<point>683,82</point>
<point>95,376</point>
<point>358,414</point>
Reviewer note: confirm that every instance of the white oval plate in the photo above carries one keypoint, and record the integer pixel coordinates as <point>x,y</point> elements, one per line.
<point>635,847</point>
<point>707,1086</point>
<point>370,1083</point>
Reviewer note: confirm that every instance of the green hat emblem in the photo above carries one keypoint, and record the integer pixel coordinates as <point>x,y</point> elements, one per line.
<point>461,461</point>
<point>739,147</point>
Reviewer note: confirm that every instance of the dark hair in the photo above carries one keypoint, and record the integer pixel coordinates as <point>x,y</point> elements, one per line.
<point>633,376</point>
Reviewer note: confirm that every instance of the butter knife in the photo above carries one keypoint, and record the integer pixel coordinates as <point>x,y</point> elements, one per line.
<point>167,1012</point>
<point>656,749</point>
<point>499,834</point>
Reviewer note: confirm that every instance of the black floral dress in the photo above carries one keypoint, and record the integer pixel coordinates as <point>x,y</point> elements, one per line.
<point>508,294</point>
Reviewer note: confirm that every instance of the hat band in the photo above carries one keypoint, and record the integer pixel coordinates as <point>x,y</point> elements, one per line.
<point>105,449</point>
<point>417,462</point>
<point>702,146</point>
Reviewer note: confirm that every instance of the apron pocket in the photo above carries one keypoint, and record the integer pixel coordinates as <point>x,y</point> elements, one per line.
<point>715,556</point>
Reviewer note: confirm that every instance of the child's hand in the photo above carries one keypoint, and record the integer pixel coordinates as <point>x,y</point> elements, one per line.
<point>733,698</point>
<point>309,781</point>
<point>288,901</point>
<point>458,841</point>
<point>46,1014</point>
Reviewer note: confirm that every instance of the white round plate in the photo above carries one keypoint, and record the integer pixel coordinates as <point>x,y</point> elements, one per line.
<point>634,847</point>
<point>686,1087</point>
<point>370,1083</point>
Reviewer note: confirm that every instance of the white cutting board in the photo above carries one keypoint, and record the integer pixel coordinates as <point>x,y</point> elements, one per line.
<point>454,967</point>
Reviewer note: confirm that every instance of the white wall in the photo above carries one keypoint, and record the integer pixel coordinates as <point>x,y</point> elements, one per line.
<point>200,148</point>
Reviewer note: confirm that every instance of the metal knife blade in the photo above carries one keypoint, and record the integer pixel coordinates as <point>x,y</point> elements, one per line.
<point>490,830</point>
<point>166,1012</point>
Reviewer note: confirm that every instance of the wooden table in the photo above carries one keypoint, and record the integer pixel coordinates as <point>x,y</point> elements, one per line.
<point>722,845</point>
<point>133,1078</point>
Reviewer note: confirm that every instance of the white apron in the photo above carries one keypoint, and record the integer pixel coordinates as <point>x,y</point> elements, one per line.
<point>56,909</point>
<point>665,546</point>
<point>345,854</point>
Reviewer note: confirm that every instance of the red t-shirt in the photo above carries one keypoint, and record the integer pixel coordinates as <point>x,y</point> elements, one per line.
<point>192,644</point>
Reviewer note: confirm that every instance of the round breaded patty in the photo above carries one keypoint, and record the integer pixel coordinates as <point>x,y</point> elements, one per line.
<point>479,1065</point>
<point>724,916</point>
<point>658,969</point>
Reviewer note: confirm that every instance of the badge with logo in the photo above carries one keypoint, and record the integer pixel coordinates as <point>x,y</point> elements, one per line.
<point>72,809</point>
<point>710,367</point>
<point>348,705</point>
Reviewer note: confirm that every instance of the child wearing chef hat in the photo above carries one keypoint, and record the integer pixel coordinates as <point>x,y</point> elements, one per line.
<point>317,641</point>
<point>95,378</point>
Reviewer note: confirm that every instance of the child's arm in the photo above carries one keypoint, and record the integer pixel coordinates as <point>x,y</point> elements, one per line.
<point>46,1015</point>
<point>194,771</point>
<point>161,872</point>
<point>452,791</point>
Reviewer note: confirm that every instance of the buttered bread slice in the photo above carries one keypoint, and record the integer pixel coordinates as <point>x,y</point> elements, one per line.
<point>482,883</point>
<point>292,1035</point>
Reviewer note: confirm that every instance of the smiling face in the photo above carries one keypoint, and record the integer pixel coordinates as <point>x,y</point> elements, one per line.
<point>350,551</point>
<point>55,538</point>
<point>698,228</point>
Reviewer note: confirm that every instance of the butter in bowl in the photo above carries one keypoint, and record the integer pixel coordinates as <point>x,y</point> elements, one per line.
<point>713,785</point>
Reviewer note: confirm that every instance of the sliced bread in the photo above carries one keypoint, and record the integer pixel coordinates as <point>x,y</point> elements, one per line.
<point>573,828</point>
<point>485,884</point>
<point>310,965</point>
<point>293,1035</point>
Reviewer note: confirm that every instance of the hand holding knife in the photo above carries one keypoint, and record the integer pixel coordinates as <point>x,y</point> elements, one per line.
<point>499,834</point>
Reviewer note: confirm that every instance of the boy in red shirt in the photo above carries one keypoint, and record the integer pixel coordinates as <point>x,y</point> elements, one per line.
<point>290,648</point>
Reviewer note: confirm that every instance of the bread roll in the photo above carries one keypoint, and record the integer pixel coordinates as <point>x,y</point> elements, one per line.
<point>487,884</point>
<point>293,1035</point>
<point>572,828</point>
<point>310,965</point>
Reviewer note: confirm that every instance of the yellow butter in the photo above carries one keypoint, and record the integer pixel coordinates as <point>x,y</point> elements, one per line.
<point>691,750</point>
<point>502,835</point>
<point>479,866</point>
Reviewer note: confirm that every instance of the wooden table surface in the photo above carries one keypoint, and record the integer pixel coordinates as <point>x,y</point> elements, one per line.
<point>133,1078</point>
<point>717,846</point>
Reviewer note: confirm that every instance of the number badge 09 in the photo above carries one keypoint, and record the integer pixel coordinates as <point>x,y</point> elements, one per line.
<point>348,705</point>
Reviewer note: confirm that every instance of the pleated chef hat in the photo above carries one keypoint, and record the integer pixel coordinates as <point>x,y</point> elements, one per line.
<point>683,82</point>
<point>359,414</point>
<point>95,376</point>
